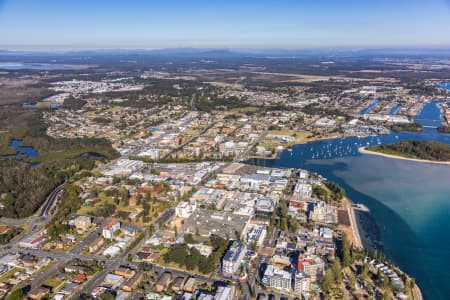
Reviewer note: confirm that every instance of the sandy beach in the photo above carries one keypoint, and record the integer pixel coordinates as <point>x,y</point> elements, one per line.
<point>365,151</point>
<point>354,226</point>
<point>355,229</point>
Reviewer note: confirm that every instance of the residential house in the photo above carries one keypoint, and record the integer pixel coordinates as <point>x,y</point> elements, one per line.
<point>110,229</point>
<point>163,282</point>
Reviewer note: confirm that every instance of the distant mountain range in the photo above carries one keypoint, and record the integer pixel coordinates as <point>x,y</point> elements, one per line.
<point>238,52</point>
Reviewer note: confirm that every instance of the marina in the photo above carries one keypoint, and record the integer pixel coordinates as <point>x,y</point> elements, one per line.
<point>368,108</point>
<point>403,217</point>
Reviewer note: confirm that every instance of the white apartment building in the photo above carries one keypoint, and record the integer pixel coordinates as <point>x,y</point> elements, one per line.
<point>233,258</point>
<point>303,191</point>
<point>302,283</point>
<point>185,209</point>
<point>110,229</point>
<point>277,278</point>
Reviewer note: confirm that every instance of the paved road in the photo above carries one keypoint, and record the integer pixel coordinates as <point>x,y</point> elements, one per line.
<point>109,264</point>
<point>43,211</point>
<point>51,253</point>
<point>16,222</point>
<point>90,238</point>
<point>51,200</point>
<point>164,218</point>
<point>41,277</point>
<point>244,155</point>
<point>188,141</point>
<point>275,295</point>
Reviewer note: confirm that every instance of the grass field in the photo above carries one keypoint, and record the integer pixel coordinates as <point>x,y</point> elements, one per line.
<point>52,282</point>
<point>115,109</point>
<point>246,109</point>
<point>300,138</point>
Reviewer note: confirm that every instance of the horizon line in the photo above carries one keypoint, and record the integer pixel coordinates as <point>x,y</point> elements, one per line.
<point>348,48</point>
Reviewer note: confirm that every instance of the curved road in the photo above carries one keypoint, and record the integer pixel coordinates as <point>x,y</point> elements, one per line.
<point>50,200</point>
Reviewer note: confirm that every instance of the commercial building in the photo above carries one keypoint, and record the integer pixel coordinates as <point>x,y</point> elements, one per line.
<point>233,258</point>
<point>221,293</point>
<point>257,235</point>
<point>225,293</point>
<point>264,206</point>
<point>185,209</point>
<point>303,190</point>
<point>223,224</point>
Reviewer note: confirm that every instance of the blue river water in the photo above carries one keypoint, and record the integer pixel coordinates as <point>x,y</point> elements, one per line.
<point>20,66</point>
<point>34,105</point>
<point>409,201</point>
<point>369,107</point>
<point>445,86</point>
<point>21,150</point>
<point>395,109</point>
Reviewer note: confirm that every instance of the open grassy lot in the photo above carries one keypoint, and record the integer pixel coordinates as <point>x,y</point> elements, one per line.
<point>156,208</point>
<point>299,138</point>
<point>52,282</point>
<point>246,109</point>
<point>5,277</point>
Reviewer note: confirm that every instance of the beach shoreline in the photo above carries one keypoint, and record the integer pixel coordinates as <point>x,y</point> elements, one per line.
<point>357,229</point>
<point>354,226</point>
<point>363,150</point>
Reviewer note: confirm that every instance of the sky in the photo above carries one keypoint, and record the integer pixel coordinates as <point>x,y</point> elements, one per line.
<point>133,24</point>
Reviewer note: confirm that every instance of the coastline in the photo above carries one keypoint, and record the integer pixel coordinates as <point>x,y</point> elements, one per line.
<point>363,150</point>
<point>357,228</point>
<point>418,293</point>
<point>354,226</point>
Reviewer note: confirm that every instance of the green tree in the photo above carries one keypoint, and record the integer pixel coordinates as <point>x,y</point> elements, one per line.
<point>107,296</point>
<point>139,199</point>
<point>124,196</point>
<point>148,197</point>
<point>365,271</point>
<point>327,281</point>
<point>188,238</point>
<point>16,295</point>
<point>284,223</point>
<point>345,254</point>
<point>145,208</point>
<point>337,270</point>
<point>351,280</point>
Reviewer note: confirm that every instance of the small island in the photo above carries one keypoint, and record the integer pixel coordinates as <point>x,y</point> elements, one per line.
<point>444,129</point>
<point>411,127</point>
<point>428,151</point>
